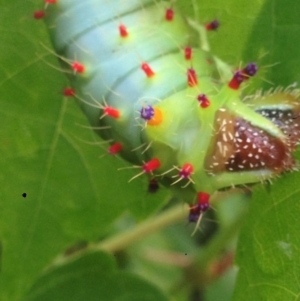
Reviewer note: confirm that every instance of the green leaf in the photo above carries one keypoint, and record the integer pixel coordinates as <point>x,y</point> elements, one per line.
<point>236,23</point>
<point>266,253</point>
<point>71,193</point>
<point>276,33</point>
<point>269,243</point>
<point>92,277</point>
<point>266,32</point>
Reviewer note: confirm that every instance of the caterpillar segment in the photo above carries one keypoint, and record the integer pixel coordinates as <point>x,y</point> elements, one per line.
<point>141,76</point>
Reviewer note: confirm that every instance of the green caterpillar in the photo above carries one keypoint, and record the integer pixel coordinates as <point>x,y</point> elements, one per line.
<point>166,103</point>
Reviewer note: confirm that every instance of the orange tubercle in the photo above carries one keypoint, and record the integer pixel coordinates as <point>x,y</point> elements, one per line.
<point>157,118</point>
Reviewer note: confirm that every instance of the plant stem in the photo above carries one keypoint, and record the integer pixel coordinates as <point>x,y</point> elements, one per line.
<point>124,239</point>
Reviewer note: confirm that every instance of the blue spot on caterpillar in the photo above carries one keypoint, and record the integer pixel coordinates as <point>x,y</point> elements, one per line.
<point>135,72</point>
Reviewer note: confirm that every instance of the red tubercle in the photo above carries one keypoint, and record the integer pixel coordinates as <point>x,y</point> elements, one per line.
<point>69,92</point>
<point>201,206</point>
<point>213,25</point>
<point>50,1</point>
<point>186,171</point>
<point>147,69</point>
<point>188,53</point>
<point>39,14</point>
<point>78,67</point>
<point>112,112</point>
<point>203,101</point>
<point>148,167</point>
<point>203,200</point>
<point>123,31</point>
<point>242,75</point>
<point>235,83</point>
<point>151,165</point>
<point>115,148</point>
<point>169,14</point>
<point>192,77</point>
<point>203,197</point>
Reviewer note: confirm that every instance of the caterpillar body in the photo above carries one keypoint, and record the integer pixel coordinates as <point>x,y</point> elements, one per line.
<point>167,104</point>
